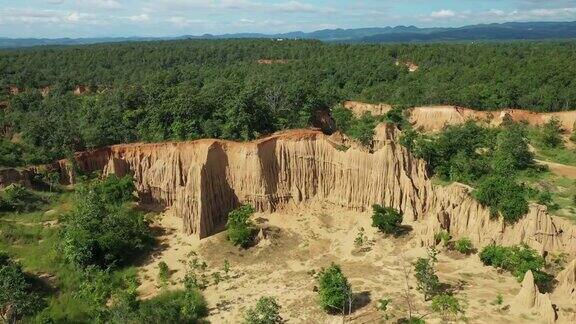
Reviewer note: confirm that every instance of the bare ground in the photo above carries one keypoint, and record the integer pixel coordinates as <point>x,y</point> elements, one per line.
<point>298,244</point>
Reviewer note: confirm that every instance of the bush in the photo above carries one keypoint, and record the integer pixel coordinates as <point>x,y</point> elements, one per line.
<point>15,197</point>
<point>239,226</point>
<point>446,305</point>
<point>18,297</point>
<point>386,219</point>
<point>516,259</point>
<point>183,306</point>
<point>442,236</point>
<point>267,311</point>
<point>163,272</point>
<point>361,129</point>
<point>502,195</point>
<point>99,234</point>
<point>334,290</point>
<point>115,190</point>
<point>464,245</point>
<point>428,282</point>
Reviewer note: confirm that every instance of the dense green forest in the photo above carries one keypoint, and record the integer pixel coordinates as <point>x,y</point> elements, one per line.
<point>191,89</point>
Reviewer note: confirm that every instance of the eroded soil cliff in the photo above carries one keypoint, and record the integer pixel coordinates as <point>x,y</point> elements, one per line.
<point>203,180</point>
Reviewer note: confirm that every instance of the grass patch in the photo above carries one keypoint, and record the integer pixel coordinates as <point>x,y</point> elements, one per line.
<point>561,154</point>
<point>562,191</point>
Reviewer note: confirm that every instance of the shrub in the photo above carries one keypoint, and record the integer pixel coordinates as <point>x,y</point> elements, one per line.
<point>239,226</point>
<point>115,190</point>
<point>442,236</point>
<point>386,219</point>
<point>15,197</point>
<point>334,290</point>
<point>361,129</point>
<point>464,245</point>
<point>163,272</point>
<point>551,133</point>
<point>428,282</point>
<point>502,195</point>
<point>446,305</point>
<point>183,306</point>
<point>267,311</point>
<point>99,234</point>
<point>18,297</point>
<point>516,259</point>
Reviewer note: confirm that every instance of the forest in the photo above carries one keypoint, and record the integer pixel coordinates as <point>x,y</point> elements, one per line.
<point>180,90</point>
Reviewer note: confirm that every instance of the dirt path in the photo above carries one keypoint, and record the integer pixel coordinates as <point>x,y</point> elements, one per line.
<point>564,170</point>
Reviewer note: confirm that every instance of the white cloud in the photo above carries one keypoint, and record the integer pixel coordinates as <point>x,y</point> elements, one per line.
<point>182,22</point>
<point>139,18</point>
<point>444,13</point>
<point>73,17</point>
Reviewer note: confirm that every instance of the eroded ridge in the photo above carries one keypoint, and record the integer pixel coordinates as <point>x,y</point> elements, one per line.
<point>203,180</point>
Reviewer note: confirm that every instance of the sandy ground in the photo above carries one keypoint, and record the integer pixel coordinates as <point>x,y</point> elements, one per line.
<point>298,244</point>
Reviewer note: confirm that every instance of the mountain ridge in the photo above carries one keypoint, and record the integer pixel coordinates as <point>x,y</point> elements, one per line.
<point>397,34</point>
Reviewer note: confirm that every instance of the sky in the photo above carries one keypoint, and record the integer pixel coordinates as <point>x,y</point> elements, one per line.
<point>113,18</point>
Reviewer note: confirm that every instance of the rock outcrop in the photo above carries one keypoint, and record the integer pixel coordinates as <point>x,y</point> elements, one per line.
<point>434,118</point>
<point>203,180</point>
<point>529,300</point>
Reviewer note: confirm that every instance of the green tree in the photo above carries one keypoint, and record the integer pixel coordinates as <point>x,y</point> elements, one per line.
<point>386,219</point>
<point>425,273</point>
<point>239,226</point>
<point>96,233</point>
<point>335,293</point>
<point>267,311</point>
<point>503,196</point>
<point>551,133</point>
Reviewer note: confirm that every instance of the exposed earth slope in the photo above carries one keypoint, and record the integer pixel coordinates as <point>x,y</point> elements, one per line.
<point>434,118</point>
<point>203,180</point>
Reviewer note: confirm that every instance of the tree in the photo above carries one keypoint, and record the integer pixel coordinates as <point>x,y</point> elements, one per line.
<point>551,133</point>
<point>503,196</point>
<point>98,233</point>
<point>386,219</point>
<point>512,152</point>
<point>267,311</point>
<point>334,291</point>
<point>239,226</point>
<point>428,282</point>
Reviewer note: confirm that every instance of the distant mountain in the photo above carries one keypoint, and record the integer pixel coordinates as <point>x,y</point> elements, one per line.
<point>484,32</point>
<point>398,34</point>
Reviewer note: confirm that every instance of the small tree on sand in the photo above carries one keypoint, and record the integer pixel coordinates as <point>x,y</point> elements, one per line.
<point>334,290</point>
<point>386,219</point>
<point>428,282</point>
<point>239,226</point>
<point>267,311</point>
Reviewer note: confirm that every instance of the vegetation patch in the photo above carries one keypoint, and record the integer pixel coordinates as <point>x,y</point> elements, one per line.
<point>518,260</point>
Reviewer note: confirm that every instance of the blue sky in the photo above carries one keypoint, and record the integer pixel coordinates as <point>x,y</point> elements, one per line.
<point>95,18</point>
